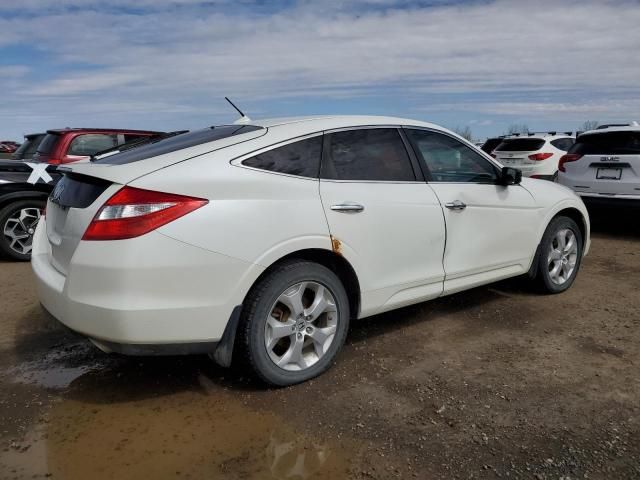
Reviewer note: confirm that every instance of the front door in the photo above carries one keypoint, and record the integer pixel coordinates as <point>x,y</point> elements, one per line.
<point>491,228</point>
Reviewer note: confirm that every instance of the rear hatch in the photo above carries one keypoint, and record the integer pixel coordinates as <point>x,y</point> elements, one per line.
<point>514,152</point>
<point>85,187</point>
<point>608,163</point>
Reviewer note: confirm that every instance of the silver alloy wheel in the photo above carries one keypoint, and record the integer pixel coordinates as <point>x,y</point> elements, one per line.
<point>20,227</point>
<point>563,254</point>
<point>301,326</point>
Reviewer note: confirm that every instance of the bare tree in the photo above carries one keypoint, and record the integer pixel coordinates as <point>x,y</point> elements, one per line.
<point>464,132</point>
<point>589,125</point>
<point>517,128</point>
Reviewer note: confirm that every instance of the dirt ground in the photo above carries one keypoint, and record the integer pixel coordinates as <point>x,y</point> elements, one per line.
<point>497,382</point>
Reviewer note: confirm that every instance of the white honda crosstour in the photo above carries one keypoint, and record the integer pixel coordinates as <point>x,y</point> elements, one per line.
<point>265,238</point>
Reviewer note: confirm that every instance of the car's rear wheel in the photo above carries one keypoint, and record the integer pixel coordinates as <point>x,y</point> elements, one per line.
<point>559,255</point>
<point>294,322</point>
<point>18,222</point>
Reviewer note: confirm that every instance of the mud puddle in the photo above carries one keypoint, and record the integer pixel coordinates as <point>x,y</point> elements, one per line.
<point>208,433</point>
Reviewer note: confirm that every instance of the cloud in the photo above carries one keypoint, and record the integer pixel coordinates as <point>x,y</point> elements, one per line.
<point>495,58</point>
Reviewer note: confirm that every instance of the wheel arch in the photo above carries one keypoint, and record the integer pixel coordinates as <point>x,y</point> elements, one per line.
<point>334,262</point>
<point>18,196</point>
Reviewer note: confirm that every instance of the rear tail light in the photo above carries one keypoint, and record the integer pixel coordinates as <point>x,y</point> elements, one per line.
<point>132,212</point>
<point>538,157</point>
<point>569,157</point>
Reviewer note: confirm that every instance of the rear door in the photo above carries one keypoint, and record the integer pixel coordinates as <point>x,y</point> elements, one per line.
<point>491,229</point>
<point>383,217</point>
<point>608,164</point>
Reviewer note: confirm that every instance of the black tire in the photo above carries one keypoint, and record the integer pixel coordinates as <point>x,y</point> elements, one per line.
<point>257,307</point>
<point>8,248</point>
<point>543,277</point>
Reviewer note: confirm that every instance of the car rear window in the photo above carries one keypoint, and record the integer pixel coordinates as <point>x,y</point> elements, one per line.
<point>161,146</point>
<point>563,143</point>
<point>520,145</point>
<point>611,143</point>
<point>48,143</point>
<point>29,147</point>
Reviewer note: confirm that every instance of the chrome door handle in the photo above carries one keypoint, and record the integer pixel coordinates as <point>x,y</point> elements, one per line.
<point>347,207</point>
<point>455,205</point>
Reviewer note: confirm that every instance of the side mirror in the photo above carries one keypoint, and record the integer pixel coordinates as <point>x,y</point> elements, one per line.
<point>510,176</point>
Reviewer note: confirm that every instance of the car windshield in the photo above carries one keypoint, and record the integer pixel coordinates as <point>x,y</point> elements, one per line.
<point>174,143</point>
<point>520,145</point>
<point>610,143</point>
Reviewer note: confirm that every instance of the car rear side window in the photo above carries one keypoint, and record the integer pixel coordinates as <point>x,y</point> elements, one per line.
<point>562,143</point>
<point>301,158</point>
<point>520,145</point>
<point>91,143</point>
<point>449,160</point>
<point>374,154</point>
<point>611,143</point>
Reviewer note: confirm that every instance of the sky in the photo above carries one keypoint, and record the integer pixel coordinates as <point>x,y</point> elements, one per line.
<point>167,64</point>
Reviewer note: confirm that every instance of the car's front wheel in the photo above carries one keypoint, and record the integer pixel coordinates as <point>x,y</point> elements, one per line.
<point>559,255</point>
<point>294,322</point>
<point>18,221</point>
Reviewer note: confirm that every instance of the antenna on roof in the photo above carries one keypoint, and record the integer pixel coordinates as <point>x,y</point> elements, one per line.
<point>243,118</point>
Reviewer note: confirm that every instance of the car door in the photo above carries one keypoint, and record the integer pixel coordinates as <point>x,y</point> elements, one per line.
<point>491,228</point>
<point>382,216</point>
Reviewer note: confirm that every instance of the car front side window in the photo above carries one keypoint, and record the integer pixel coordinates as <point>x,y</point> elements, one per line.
<point>449,160</point>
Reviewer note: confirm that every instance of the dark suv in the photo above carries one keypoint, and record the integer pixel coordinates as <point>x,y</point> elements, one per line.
<point>26,183</point>
<point>29,146</point>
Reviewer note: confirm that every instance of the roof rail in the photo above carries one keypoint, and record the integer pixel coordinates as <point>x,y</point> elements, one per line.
<point>609,125</point>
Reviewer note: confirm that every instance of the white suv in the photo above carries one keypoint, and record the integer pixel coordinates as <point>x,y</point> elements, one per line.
<point>535,154</point>
<point>265,239</point>
<point>604,165</point>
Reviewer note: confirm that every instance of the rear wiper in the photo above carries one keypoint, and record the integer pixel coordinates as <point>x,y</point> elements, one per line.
<point>134,144</point>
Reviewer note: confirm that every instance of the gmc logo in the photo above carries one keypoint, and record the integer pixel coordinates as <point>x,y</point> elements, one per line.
<point>609,159</point>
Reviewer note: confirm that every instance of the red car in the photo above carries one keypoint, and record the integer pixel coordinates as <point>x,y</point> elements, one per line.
<point>73,144</point>
<point>8,146</point>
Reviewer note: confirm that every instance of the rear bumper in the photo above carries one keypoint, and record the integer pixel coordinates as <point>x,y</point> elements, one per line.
<point>151,294</point>
<point>610,200</point>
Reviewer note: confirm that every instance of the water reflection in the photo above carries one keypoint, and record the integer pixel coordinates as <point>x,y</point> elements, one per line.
<point>204,432</point>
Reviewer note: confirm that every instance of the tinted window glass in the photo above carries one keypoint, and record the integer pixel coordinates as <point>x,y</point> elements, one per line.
<point>48,143</point>
<point>613,143</point>
<point>130,137</point>
<point>176,142</point>
<point>91,143</point>
<point>449,160</point>
<point>520,145</point>
<point>367,154</point>
<point>29,147</point>
<point>299,158</point>
<point>562,143</point>
<point>490,145</point>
